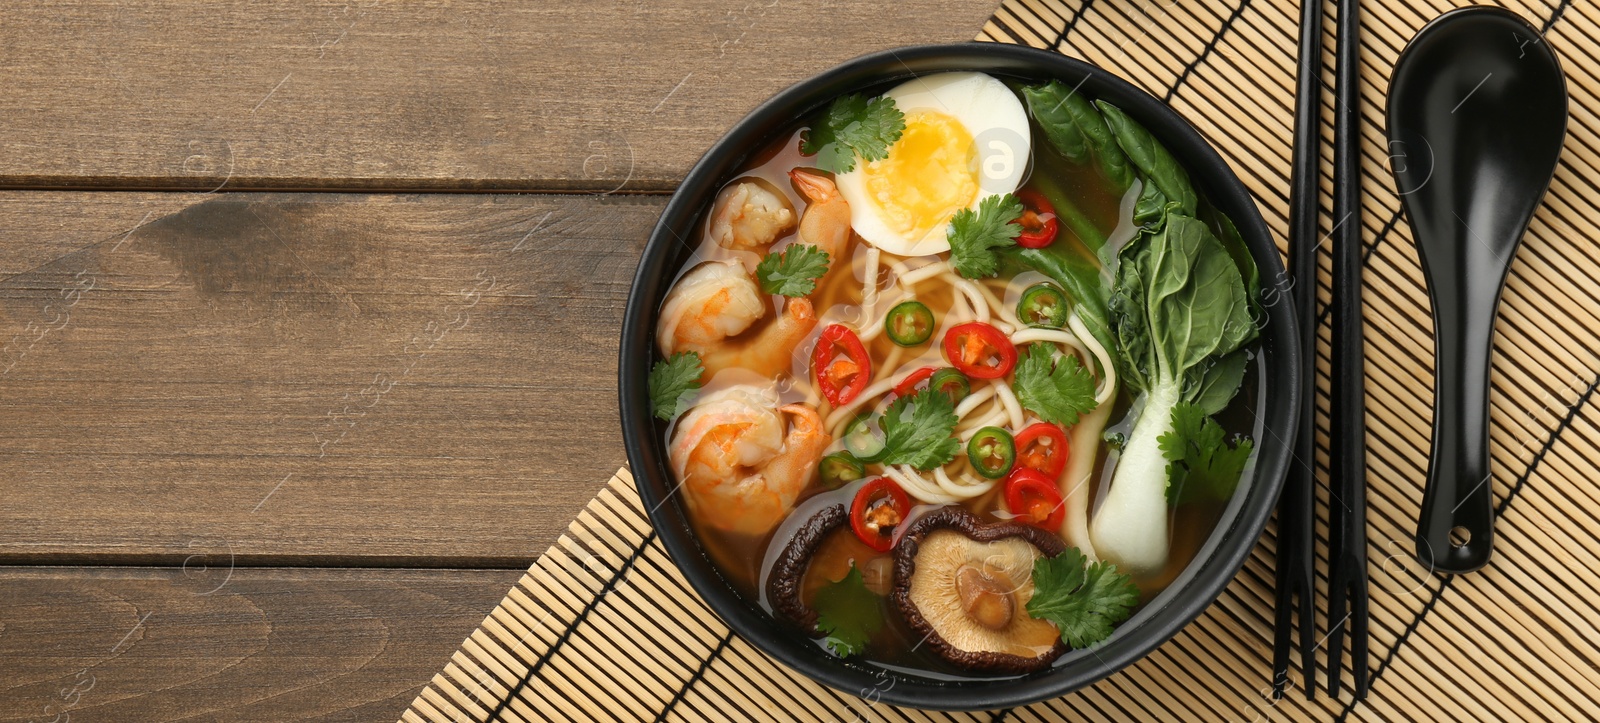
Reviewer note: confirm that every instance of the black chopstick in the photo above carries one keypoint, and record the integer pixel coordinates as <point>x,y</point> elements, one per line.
<point>1347,558</point>
<point>1296,563</point>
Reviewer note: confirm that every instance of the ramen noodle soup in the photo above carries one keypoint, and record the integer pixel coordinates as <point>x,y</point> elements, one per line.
<point>951,381</point>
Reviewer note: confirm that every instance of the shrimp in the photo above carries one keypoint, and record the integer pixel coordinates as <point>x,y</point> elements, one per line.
<point>826,223</point>
<point>741,471</point>
<point>712,302</point>
<point>748,215</point>
<point>771,351</point>
<point>718,300</point>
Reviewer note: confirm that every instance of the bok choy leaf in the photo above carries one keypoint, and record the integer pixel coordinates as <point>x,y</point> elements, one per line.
<point>1181,312</point>
<point>1071,124</point>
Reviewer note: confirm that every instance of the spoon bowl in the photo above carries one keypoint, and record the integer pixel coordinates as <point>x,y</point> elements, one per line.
<point>1477,115</point>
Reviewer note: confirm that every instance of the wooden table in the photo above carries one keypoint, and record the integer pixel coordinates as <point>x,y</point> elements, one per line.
<point>308,320</point>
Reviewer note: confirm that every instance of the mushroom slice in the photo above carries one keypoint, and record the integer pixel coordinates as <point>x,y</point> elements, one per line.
<point>965,586</point>
<point>789,572</point>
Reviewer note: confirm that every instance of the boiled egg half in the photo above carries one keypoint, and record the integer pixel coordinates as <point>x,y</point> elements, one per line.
<point>966,138</point>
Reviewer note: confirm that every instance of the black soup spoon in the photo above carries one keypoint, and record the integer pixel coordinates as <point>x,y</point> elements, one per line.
<point>1477,115</point>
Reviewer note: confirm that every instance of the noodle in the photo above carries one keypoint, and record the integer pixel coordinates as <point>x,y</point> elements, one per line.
<point>973,400</point>
<point>915,485</point>
<point>960,309</point>
<point>873,325</point>
<point>1108,386</point>
<point>980,305</point>
<point>1013,409</point>
<point>1055,336</point>
<point>966,430</point>
<point>964,490</point>
<point>923,273</point>
<point>893,360</point>
<point>869,284</point>
<point>1006,313</point>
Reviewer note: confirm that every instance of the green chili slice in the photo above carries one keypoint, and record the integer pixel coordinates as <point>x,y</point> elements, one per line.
<point>992,452</point>
<point>1043,305</point>
<point>909,323</point>
<point>839,468</point>
<point>863,439</point>
<point>952,382</point>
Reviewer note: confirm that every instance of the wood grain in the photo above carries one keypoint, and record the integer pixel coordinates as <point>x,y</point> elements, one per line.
<point>210,642</point>
<point>388,95</point>
<point>384,380</point>
<point>209,381</point>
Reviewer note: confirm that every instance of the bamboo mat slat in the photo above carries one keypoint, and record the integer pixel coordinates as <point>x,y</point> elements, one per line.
<point>604,627</point>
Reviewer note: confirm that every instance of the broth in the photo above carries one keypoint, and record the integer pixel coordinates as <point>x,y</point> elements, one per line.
<point>741,557</point>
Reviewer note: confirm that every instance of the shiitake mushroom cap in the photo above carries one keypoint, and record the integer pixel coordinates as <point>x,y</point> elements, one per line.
<point>958,520</point>
<point>789,571</point>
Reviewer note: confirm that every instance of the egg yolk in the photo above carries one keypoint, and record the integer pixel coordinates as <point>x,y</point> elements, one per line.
<point>929,174</point>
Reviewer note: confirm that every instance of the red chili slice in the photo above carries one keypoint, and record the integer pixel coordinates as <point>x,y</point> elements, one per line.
<point>1035,499</point>
<point>880,506</point>
<point>841,376</point>
<point>1043,447</point>
<point>979,351</point>
<point>1038,220</point>
<point>909,385</point>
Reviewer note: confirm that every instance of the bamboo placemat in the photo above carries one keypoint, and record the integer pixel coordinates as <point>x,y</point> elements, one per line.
<point>603,626</point>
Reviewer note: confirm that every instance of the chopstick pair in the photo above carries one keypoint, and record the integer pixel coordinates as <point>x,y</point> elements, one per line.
<point>1347,556</point>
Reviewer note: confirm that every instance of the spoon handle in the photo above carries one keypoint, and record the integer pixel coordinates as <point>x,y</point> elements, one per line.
<point>1455,532</point>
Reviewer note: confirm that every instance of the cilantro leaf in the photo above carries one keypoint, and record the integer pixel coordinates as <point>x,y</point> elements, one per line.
<point>1057,392</point>
<point>1201,464</point>
<point>1083,601</point>
<point>848,613</point>
<point>921,435</point>
<point>975,236</point>
<point>794,271</point>
<point>672,382</point>
<point>853,126</point>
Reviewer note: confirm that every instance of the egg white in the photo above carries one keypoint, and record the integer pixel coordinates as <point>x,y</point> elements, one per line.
<point>990,113</point>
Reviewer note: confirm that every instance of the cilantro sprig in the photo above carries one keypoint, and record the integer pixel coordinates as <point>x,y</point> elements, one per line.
<point>1083,600</point>
<point>793,271</point>
<point>673,382</point>
<point>974,237</point>
<point>1059,392</point>
<point>853,126</point>
<point>917,430</point>
<point>1201,465</point>
<point>848,613</point>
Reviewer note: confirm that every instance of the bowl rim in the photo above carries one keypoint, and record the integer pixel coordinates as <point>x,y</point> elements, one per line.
<point>1228,545</point>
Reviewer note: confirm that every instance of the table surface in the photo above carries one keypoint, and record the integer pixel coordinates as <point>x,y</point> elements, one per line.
<point>285,411</point>
<point>308,317</point>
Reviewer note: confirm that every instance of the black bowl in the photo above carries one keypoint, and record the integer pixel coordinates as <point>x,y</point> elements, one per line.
<point>1217,561</point>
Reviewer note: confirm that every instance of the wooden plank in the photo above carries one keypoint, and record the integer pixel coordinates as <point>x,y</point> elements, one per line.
<point>363,379</point>
<point>363,95</point>
<point>238,644</point>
